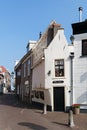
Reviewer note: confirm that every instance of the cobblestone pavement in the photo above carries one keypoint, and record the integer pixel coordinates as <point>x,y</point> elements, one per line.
<point>19,116</point>
<point>61,119</point>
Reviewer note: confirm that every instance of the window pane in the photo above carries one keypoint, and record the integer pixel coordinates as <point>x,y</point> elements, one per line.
<point>29,67</point>
<point>24,69</point>
<point>84,47</point>
<point>61,62</point>
<point>59,68</point>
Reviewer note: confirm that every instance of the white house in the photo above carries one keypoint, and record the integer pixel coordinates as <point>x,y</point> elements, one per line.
<point>5,80</point>
<point>51,69</point>
<point>80,64</point>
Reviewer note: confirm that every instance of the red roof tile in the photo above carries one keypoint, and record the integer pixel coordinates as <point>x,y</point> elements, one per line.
<point>3,69</point>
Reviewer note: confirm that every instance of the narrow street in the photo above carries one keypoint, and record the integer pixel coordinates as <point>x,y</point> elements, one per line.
<point>19,116</point>
<point>16,116</point>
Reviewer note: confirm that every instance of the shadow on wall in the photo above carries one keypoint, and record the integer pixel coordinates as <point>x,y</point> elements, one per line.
<point>32,126</point>
<point>82,98</point>
<point>83,77</point>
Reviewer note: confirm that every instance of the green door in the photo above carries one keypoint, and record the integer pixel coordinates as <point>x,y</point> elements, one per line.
<point>59,99</point>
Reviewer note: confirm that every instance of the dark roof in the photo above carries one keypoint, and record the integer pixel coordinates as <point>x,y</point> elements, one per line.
<point>22,59</point>
<point>79,28</point>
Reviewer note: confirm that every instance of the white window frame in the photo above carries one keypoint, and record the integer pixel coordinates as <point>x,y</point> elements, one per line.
<point>60,75</point>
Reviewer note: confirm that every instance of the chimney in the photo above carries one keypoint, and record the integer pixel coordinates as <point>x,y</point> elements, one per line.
<point>40,34</point>
<point>80,14</point>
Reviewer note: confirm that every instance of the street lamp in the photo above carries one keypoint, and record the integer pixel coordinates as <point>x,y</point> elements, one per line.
<point>12,75</point>
<point>12,80</point>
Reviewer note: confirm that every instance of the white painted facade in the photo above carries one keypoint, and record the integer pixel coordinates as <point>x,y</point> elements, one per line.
<point>73,83</point>
<point>58,49</point>
<point>43,69</point>
<point>80,71</point>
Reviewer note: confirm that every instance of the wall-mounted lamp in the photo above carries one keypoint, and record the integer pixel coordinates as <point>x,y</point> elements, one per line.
<point>49,72</point>
<point>72,55</point>
<point>72,39</point>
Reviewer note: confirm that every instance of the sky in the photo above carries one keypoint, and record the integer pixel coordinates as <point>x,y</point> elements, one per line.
<point>23,20</point>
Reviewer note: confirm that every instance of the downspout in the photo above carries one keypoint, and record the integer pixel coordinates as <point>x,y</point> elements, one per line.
<point>71,57</point>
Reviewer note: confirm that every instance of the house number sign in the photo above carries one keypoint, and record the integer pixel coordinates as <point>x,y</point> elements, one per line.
<point>58,81</point>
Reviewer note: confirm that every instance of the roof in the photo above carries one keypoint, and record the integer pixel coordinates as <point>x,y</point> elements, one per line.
<point>22,59</point>
<point>3,69</point>
<point>43,36</point>
<point>55,24</point>
<point>79,28</point>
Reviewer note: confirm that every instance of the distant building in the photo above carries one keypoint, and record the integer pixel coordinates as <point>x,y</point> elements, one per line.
<point>5,80</point>
<point>18,76</point>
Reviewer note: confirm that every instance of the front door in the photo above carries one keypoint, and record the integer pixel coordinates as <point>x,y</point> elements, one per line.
<point>59,99</point>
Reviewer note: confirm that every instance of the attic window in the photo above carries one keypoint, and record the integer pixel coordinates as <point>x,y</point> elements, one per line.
<point>84,47</point>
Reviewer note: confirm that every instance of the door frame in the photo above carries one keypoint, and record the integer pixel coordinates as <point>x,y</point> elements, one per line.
<point>64,96</point>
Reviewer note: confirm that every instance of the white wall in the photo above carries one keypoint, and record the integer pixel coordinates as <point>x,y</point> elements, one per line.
<point>58,49</point>
<point>80,71</point>
<point>38,77</point>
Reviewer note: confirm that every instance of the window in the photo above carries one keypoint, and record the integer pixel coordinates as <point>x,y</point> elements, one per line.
<point>59,68</point>
<point>84,47</point>
<point>29,67</point>
<point>24,69</point>
<point>26,90</point>
<point>19,73</point>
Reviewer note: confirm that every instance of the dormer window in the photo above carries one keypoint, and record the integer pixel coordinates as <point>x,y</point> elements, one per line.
<point>84,47</point>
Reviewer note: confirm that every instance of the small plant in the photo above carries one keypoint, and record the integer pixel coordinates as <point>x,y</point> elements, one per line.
<point>76,105</point>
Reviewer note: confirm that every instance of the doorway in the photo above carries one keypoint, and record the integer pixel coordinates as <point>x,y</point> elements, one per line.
<point>59,101</point>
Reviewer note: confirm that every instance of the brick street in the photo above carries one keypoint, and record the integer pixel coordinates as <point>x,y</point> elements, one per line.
<point>19,116</point>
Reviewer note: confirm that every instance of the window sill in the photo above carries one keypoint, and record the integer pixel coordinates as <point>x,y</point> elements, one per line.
<point>58,78</point>
<point>84,56</point>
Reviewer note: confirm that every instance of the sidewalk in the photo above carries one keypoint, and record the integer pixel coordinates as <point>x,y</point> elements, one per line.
<point>61,119</point>
<point>21,116</point>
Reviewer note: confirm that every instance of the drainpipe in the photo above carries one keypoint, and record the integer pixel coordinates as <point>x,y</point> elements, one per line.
<point>71,57</point>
